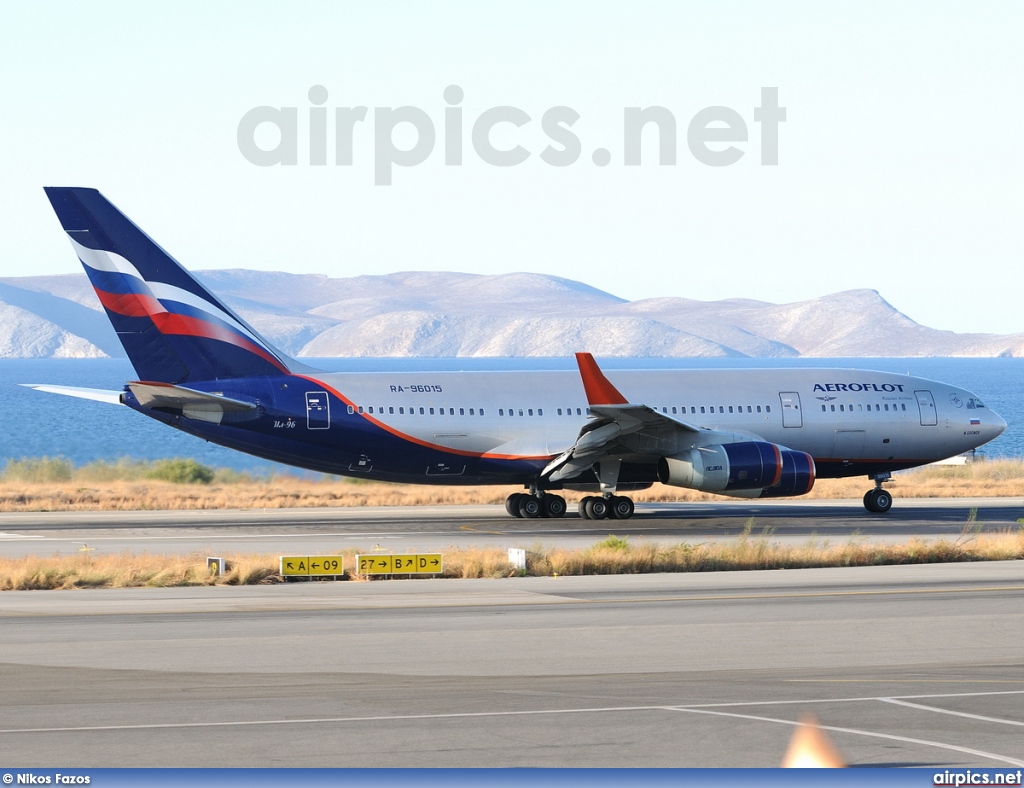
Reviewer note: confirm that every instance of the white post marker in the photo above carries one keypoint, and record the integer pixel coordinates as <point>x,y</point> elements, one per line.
<point>517,557</point>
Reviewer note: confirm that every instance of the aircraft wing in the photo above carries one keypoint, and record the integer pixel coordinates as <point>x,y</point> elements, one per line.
<point>620,428</point>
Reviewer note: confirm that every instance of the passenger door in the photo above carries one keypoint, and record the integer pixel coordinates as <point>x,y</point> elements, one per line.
<point>791,415</point>
<point>926,404</point>
<point>318,410</point>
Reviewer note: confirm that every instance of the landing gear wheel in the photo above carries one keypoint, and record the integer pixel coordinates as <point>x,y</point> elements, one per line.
<point>553,506</point>
<point>621,507</point>
<point>512,504</point>
<point>597,508</point>
<point>878,501</point>
<point>583,507</point>
<point>529,506</point>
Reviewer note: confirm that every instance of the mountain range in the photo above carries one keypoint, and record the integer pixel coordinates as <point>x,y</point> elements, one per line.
<point>439,314</point>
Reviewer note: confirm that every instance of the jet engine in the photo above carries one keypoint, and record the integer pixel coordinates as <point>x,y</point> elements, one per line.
<point>752,469</point>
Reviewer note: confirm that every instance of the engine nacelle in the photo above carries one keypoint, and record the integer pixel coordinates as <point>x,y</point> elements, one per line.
<point>797,476</point>
<point>754,469</point>
<point>734,466</point>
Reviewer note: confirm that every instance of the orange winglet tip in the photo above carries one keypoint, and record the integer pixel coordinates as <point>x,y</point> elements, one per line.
<point>600,390</point>
<point>811,748</point>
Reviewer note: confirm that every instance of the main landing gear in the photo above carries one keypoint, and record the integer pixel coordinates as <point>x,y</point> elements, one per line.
<point>878,501</point>
<point>613,507</point>
<point>593,507</point>
<point>535,505</point>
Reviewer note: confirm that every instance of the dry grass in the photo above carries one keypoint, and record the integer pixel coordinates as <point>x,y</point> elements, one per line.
<point>614,555</point>
<point>127,570</point>
<point>99,487</point>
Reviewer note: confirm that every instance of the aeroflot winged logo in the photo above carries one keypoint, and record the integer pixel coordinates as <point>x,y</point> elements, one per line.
<point>884,387</point>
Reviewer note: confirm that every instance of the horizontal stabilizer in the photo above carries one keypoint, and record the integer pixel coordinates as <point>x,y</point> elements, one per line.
<point>99,395</point>
<point>193,404</point>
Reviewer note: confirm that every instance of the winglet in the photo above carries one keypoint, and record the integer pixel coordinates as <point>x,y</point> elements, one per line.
<point>600,390</point>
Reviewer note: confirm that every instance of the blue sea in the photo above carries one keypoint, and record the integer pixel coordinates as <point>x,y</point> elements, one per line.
<point>35,424</point>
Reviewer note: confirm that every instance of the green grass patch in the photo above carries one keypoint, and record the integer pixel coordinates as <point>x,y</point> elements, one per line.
<point>38,470</point>
<point>178,470</point>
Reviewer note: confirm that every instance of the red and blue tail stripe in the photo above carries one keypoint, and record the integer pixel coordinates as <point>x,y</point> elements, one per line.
<point>172,328</point>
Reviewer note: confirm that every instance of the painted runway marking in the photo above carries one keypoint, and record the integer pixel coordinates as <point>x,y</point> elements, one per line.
<point>693,709</point>
<point>20,536</point>
<point>949,711</point>
<point>857,732</point>
<point>846,700</point>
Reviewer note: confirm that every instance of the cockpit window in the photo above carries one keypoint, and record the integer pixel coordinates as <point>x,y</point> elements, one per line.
<point>974,402</point>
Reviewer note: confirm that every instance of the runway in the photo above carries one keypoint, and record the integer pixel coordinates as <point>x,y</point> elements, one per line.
<point>919,665</point>
<point>434,528</point>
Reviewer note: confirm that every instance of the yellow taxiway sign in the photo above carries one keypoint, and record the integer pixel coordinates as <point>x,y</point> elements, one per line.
<point>306,565</point>
<point>414,564</point>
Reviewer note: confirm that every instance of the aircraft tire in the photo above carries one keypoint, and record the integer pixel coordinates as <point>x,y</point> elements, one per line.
<point>881,500</point>
<point>878,501</point>
<point>583,507</point>
<point>621,508</point>
<point>553,506</point>
<point>512,504</point>
<point>597,508</point>
<point>529,506</point>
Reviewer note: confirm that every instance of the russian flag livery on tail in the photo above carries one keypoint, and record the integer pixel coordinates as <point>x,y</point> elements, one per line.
<point>746,433</point>
<point>172,328</point>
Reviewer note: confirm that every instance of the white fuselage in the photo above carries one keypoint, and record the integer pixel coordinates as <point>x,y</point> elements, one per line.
<point>838,416</point>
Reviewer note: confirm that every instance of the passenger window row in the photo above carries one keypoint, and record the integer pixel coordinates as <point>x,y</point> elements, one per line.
<point>390,410</point>
<point>424,411</point>
<point>719,409</point>
<point>860,408</point>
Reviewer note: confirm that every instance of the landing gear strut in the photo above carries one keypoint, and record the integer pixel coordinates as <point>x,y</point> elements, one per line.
<point>878,501</point>
<point>608,504</point>
<point>613,507</point>
<point>535,504</point>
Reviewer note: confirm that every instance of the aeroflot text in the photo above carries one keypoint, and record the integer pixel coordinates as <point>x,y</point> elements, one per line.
<point>269,136</point>
<point>889,387</point>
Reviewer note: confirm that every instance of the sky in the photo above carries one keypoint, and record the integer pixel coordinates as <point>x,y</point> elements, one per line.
<point>900,162</point>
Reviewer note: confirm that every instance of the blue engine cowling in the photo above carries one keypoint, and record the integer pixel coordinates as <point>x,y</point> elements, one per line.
<point>797,476</point>
<point>751,469</point>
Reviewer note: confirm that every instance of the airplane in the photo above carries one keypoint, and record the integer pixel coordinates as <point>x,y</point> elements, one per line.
<point>748,433</point>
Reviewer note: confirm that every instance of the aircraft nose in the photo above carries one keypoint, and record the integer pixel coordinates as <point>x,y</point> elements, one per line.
<point>998,426</point>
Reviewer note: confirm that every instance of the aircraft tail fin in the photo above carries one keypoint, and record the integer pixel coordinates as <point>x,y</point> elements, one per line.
<point>172,328</point>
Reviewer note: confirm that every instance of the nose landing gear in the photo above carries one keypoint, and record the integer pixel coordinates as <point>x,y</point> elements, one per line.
<point>878,501</point>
